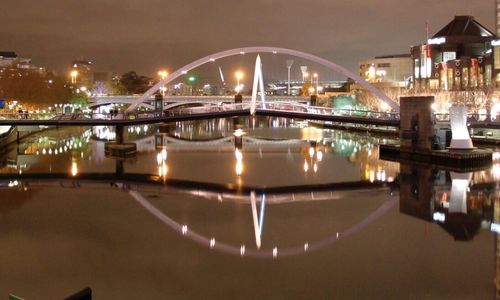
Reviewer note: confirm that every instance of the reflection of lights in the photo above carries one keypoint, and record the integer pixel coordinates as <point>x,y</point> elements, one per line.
<point>306,246</point>
<point>238,132</point>
<point>74,169</point>
<point>311,151</point>
<point>161,158</point>
<point>496,171</point>
<point>163,169</point>
<point>496,155</point>
<point>239,162</point>
<point>13,183</point>
<point>495,227</point>
<point>372,175</point>
<point>315,167</point>
<point>242,250</point>
<point>439,217</point>
<point>306,166</point>
<point>239,168</point>
<point>184,229</point>
<point>275,252</point>
<point>319,155</point>
<point>212,242</point>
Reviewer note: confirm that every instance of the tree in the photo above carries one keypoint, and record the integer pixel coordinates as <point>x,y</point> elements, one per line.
<point>135,84</point>
<point>101,88</point>
<point>33,87</point>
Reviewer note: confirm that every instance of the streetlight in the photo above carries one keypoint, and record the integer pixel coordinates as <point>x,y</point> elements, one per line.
<point>239,76</point>
<point>289,64</point>
<point>163,74</point>
<point>316,76</point>
<point>73,75</point>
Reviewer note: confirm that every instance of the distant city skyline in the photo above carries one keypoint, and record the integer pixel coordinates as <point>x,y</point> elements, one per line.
<point>119,36</point>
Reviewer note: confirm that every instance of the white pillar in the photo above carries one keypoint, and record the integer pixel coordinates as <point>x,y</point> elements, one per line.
<point>460,138</point>
<point>258,83</point>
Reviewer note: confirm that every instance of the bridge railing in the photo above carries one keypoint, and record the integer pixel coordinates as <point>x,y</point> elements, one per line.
<point>475,118</point>
<point>207,109</point>
<point>293,107</point>
<point>276,106</point>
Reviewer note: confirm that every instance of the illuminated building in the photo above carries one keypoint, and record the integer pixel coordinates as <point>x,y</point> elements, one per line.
<point>84,74</point>
<point>10,60</point>
<point>463,55</point>
<point>387,71</point>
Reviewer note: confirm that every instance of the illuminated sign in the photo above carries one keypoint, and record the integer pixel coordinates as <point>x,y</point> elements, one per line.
<point>449,56</point>
<point>436,41</point>
<point>495,43</point>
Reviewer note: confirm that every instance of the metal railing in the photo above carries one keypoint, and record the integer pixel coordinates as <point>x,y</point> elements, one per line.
<point>208,109</point>
<point>475,118</point>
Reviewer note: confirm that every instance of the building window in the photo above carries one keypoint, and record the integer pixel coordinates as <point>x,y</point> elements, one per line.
<point>384,65</point>
<point>450,78</point>
<point>417,68</point>
<point>465,77</point>
<point>487,75</point>
<point>496,58</point>
<point>447,55</point>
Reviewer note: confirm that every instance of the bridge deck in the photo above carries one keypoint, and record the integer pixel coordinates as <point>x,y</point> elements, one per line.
<point>192,114</point>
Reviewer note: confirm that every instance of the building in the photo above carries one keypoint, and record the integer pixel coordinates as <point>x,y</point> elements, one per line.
<point>9,59</point>
<point>462,56</point>
<point>387,71</point>
<point>81,73</point>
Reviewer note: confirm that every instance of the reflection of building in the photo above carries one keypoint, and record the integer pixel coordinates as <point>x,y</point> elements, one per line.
<point>463,55</point>
<point>434,196</point>
<point>387,71</point>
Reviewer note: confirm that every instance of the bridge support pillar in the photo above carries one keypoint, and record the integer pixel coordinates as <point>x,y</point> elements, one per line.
<point>417,128</point>
<point>119,167</point>
<point>238,98</point>
<point>119,134</point>
<point>119,148</point>
<point>313,100</point>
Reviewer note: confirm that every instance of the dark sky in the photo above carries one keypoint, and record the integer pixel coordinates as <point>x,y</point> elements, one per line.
<point>122,35</point>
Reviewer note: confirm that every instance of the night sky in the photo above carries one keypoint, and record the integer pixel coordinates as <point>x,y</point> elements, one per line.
<point>122,35</point>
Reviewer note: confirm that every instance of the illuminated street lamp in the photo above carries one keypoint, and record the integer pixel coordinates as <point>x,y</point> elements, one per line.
<point>239,76</point>
<point>316,77</point>
<point>163,74</point>
<point>73,75</point>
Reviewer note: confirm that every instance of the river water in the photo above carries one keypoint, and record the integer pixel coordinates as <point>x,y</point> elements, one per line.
<point>247,208</point>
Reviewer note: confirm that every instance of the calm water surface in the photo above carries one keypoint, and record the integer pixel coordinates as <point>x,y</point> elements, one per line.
<point>241,208</point>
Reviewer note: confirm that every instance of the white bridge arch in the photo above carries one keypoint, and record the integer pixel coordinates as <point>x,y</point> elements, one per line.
<point>238,51</point>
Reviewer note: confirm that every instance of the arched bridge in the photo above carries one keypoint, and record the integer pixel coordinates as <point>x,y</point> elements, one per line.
<point>238,51</point>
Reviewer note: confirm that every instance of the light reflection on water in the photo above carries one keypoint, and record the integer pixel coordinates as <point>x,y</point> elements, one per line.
<point>222,151</point>
<point>335,233</point>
